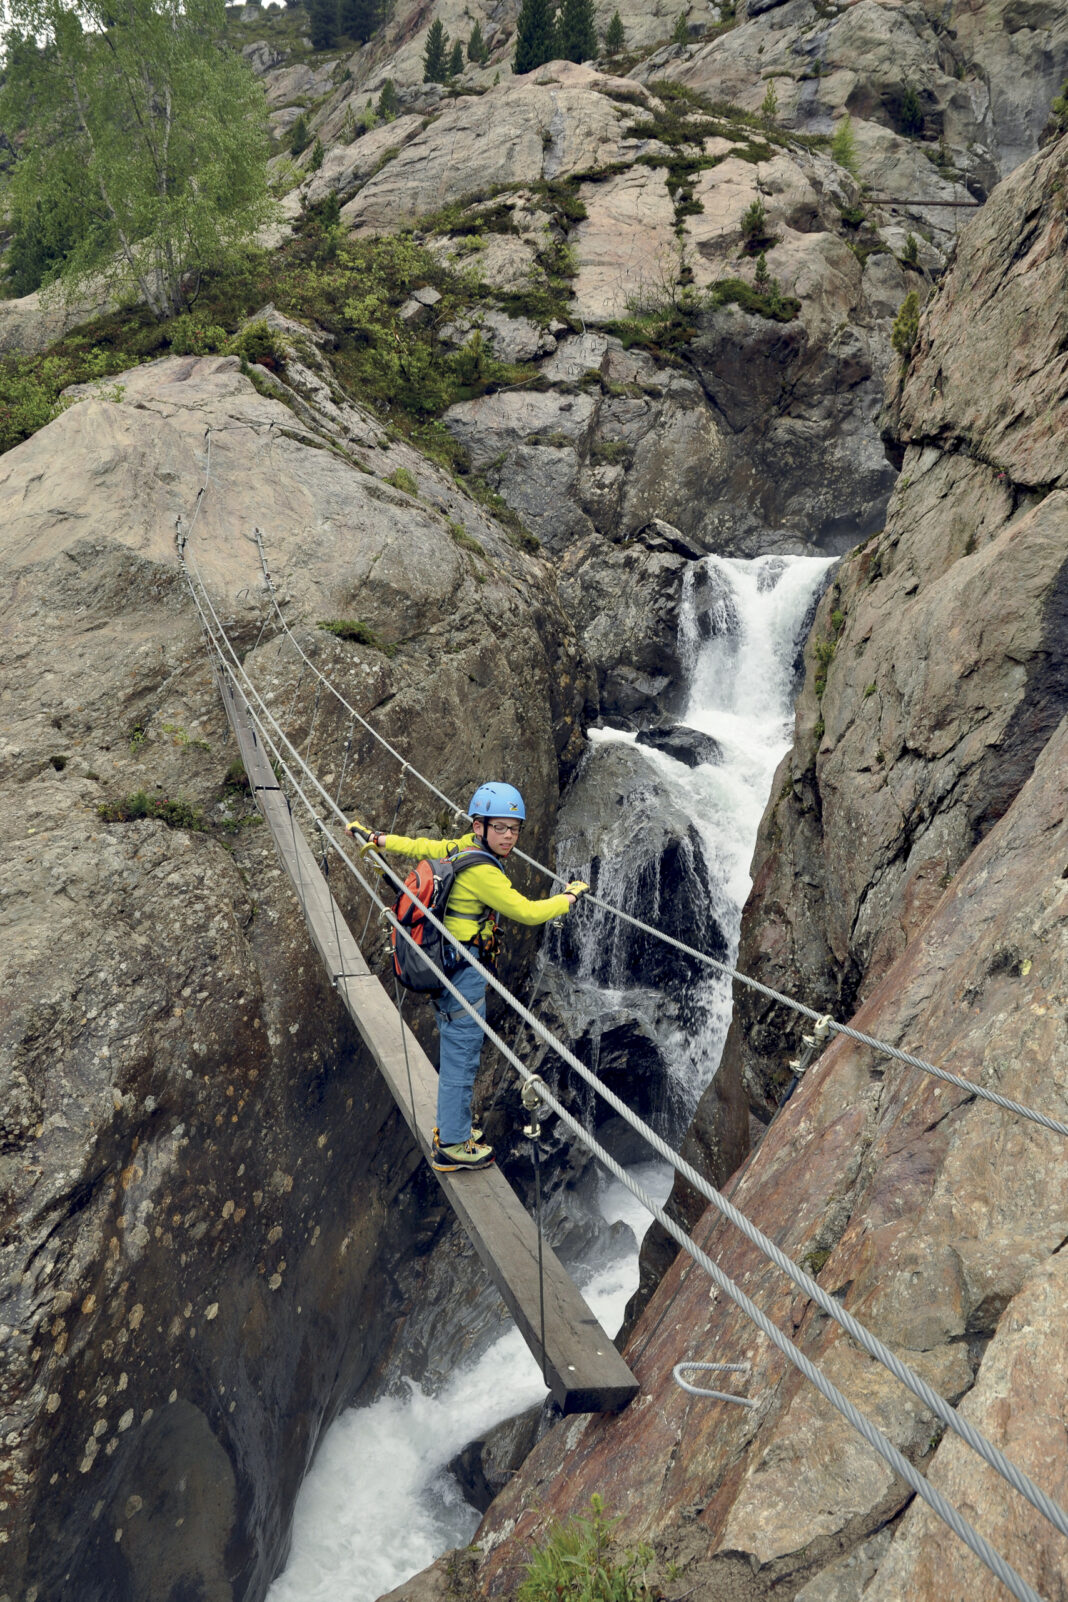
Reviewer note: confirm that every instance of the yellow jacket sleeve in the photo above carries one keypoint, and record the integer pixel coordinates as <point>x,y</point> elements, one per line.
<point>494,889</point>
<point>424,846</point>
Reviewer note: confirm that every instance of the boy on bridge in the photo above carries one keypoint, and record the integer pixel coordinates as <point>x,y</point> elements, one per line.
<point>481,891</point>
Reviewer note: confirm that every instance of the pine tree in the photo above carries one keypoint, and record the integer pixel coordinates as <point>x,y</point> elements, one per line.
<point>681,33</point>
<point>535,38</point>
<point>456,60</point>
<point>359,19</point>
<point>477,48</point>
<point>576,31</point>
<point>436,54</point>
<point>323,24</point>
<point>388,101</point>
<point>614,39</point>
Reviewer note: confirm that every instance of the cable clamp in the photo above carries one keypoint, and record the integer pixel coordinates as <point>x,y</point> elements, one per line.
<point>719,1368</point>
<point>530,1096</point>
<point>812,1044</point>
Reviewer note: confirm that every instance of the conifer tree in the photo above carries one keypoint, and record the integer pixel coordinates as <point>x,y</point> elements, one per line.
<point>535,38</point>
<point>576,31</point>
<point>323,27</point>
<point>477,48</point>
<point>614,38</point>
<point>388,101</point>
<point>681,33</point>
<point>436,54</point>
<point>359,19</point>
<point>456,60</point>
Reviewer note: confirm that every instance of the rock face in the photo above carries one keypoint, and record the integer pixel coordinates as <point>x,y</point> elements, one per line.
<point>205,1183</point>
<point>937,663</point>
<point>913,857</point>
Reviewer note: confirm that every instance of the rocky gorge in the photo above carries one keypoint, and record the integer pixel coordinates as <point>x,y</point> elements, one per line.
<point>215,1227</point>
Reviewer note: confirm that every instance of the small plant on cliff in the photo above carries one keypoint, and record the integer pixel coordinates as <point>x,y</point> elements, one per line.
<point>754,226</point>
<point>906,329</point>
<point>910,256</point>
<point>769,106</point>
<point>911,116</point>
<point>359,633</point>
<point>1058,111</point>
<point>680,34</point>
<point>844,146</point>
<point>575,1564</point>
<point>175,814</point>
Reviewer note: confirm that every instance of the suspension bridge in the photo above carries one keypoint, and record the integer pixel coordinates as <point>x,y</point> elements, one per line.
<point>578,1362</point>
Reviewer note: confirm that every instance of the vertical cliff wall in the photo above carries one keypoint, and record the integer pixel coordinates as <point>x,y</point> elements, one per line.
<point>914,856</point>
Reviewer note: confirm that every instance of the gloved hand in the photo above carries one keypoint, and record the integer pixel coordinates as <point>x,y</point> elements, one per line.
<point>576,888</point>
<point>362,832</point>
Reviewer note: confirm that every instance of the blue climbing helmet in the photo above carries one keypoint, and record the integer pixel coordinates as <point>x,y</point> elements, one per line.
<point>497,801</point>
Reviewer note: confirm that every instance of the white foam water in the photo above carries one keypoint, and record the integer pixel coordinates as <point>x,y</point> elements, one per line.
<point>378,1504</point>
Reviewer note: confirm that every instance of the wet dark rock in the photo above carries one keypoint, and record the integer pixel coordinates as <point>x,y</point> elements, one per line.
<point>684,744</point>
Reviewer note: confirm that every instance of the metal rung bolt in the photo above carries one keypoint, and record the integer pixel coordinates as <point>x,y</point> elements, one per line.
<point>719,1368</point>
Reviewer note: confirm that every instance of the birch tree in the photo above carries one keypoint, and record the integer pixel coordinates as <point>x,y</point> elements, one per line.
<point>165,127</point>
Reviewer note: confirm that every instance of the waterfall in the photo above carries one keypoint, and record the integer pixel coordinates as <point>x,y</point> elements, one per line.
<point>379,1503</point>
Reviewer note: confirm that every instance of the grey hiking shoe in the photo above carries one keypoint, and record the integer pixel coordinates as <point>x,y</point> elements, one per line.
<point>469,1153</point>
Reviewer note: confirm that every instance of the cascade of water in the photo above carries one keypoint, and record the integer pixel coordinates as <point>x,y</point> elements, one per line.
<point>379,1504</point>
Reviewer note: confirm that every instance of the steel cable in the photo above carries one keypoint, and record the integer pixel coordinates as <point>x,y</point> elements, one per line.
<point>944,1509</point>
<point>870,1343</point>
<point>969,1086</point>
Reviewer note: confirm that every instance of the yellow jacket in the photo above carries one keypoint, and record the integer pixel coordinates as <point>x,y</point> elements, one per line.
<point>478,888</point>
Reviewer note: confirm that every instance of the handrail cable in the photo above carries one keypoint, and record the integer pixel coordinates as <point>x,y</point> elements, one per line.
<point>870,1343</point>
<point>944,1509</point>
<point>969,1086</point>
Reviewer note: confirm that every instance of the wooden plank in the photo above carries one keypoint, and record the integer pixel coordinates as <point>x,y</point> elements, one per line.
<point>581,1366</point>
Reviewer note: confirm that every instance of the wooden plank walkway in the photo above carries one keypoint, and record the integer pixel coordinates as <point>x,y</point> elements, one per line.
<point>581,1366</point>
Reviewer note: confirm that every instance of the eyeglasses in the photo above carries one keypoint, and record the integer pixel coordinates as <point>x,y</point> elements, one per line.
<point>504,828</point>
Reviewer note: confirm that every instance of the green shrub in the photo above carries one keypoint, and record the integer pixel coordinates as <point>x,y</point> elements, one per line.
<point>769,106</point>
<point>772,303</point>
<point>175,814</point>
<point>464,540</point>
<point>754,226</point>
<point>299,136</point>
<point>259,343</point>
<point>1058,110</point>
<point>315,160</point>
<point>911,253</point>
<point>30,386</point>
<point>575,1564</point>
<point>359,633</point>
<point>403,480</point>
<point>388,101</point>
<point>906,329</point>
<point>911,114</point>
<point>844,146</point>
<point>189,335</point>
<point>680,34</point>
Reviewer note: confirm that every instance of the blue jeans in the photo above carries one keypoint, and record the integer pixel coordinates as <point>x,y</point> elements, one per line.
<point>460,1041</point>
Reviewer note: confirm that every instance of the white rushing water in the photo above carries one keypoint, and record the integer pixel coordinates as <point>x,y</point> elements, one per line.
<point>378,1504</point>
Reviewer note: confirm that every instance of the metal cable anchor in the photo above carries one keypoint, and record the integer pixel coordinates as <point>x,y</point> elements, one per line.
<point>812,1044</point>
<point>530,1096</point>
<point>721,1368</point>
